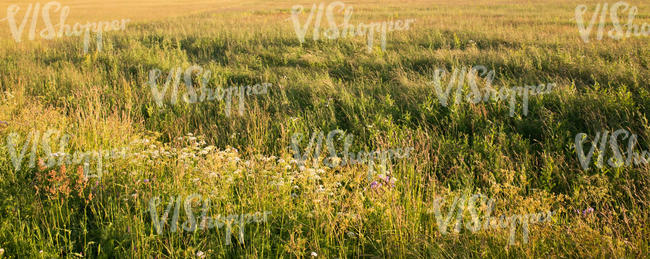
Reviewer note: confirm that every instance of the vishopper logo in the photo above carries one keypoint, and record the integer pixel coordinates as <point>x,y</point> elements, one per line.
<point>600,13</point>
<point>205,221</point>
<point>618,159</point>
<point>50,30</point>
<point>50,159</point>
<point>348,158</point>
<point>462,204</point>
<point>457,79</point>
<point>191,95</point>
<point>349,30</point>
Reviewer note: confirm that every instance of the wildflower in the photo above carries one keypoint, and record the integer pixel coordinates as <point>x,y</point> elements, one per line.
<point>388,180</point>
<point>146,180</point>
<point>374,185</point>
<point>200,254</point>
<point>58,154</point>
<point>336,161</point>
<point>81,181</point>
<point>41,165</point>
<point>585,212</point>
<point>314,254</point>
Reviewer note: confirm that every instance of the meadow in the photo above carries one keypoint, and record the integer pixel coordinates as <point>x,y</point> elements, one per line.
<point>243,165</point>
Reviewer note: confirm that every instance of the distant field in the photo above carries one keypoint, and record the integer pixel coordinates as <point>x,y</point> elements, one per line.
<point>241,156</point>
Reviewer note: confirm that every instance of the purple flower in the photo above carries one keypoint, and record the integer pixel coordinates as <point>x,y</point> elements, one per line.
<point>374,185</point>
<point>146,180</point>
<point>388,181</point>
<point>585,212</point>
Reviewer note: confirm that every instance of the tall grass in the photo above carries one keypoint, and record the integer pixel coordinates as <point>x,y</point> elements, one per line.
<point>527,163</point>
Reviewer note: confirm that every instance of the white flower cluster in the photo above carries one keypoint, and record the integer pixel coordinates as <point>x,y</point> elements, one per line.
<point>379,157</point>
